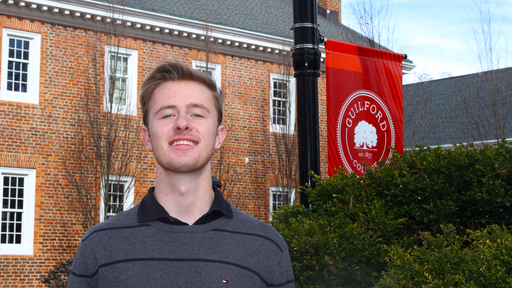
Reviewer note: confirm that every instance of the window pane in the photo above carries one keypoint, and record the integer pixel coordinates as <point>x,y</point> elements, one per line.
<point>115,199</point>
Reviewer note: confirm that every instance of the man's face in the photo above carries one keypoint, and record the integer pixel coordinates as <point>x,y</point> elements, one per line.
<point>183,131</point>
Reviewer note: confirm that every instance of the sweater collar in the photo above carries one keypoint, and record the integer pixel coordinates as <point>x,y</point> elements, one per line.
<point>150,209</point>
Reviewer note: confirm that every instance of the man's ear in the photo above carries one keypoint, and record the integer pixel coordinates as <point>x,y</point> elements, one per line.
<point>146,138</point>
<point>221,135</point>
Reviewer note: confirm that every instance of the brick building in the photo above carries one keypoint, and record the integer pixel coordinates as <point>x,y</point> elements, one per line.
<point>47,57</point>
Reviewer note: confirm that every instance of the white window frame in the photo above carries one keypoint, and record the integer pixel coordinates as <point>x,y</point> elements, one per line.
<point>131,85</point>
<point>26,247</point>
<point>290,125</point>
<point>214,67</point>
<point>34,66</point>
<point>278,190</point>
<point>129,194</point>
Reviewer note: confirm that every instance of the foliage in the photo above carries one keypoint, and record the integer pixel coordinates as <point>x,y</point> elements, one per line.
<point>344,240</point>
<point>480,259</point>
<point>340,241</point>
<point>467,187</point>
<point>58,277</point>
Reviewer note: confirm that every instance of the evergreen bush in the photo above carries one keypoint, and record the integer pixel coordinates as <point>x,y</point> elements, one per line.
<point>357,227</point>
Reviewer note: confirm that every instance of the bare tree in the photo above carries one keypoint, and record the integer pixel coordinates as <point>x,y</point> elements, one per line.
<point>487,100</point>
<point>282,142</point>
<point>376,20</point>
<point>108,146</point>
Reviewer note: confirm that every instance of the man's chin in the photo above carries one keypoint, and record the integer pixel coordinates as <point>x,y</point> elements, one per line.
<point>184,168</point>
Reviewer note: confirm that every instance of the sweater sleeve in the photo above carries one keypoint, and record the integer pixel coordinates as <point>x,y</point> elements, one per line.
<point>284,270</point>
<point>84,271</point>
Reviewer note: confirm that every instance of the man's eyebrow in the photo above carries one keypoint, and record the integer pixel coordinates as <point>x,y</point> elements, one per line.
<point>172,106</point>
<point>198,105</point>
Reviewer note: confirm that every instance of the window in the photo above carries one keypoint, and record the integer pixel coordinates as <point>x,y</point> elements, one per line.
<point>213,70</point>
<point>282,103</point>
<point>279,196</point>
<point>21,53</point>
<point>121,80</point>
<point>18,203</point>
<point>119,196</point>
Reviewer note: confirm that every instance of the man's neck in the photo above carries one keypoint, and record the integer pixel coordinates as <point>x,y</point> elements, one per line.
<point>185,196</point>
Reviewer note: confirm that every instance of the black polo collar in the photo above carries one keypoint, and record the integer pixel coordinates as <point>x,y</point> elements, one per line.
<point>150,209</point>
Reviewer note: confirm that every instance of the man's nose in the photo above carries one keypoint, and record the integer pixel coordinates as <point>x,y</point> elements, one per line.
<point>182,123</point>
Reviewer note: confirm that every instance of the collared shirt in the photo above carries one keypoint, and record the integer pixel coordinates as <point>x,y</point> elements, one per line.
<point>150,209</point>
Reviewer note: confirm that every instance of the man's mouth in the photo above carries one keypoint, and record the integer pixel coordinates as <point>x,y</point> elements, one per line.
<point>183,143</point>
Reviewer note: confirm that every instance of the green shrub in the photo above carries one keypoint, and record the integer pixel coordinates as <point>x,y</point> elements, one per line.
<point>480,259</point>
<point>467,187</point>
<point>340,241</point>
<point>343,240</point>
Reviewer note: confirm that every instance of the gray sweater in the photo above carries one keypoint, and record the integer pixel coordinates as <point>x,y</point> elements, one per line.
<point>228,252</point>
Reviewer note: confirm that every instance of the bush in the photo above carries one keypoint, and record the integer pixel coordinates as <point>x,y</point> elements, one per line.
<point>340,241</point>
<point>344,239</point>
<point>58,276</point>
<point>467,187</point>
<point>480,259</point>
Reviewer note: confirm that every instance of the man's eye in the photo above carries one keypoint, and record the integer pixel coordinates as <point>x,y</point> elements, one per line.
<point>197,115</point>
<point>168,116</point>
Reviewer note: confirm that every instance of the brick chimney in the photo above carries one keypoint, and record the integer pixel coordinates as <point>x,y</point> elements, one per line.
<point>331,9</point>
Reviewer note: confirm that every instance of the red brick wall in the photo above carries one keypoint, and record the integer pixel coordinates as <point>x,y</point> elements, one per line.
<point>44,137</point>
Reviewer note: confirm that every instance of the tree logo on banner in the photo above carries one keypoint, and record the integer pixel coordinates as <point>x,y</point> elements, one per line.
<point>365,131</point>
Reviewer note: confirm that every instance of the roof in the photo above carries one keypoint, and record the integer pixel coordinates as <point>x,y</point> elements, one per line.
<point>263,16</point>
<point>257,29</point>
<point>459,109</point>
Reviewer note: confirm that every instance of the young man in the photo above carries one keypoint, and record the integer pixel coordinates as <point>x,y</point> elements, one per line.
<point>183,233</point>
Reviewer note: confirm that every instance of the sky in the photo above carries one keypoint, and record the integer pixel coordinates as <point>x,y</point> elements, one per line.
<point>437,35</point>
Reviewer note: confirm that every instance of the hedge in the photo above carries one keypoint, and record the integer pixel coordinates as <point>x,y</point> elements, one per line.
<point>351,235</point>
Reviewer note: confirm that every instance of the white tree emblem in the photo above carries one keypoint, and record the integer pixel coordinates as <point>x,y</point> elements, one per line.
<point>365,135</point>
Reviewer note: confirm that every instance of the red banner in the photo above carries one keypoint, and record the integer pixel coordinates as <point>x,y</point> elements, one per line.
<point>364,105</point>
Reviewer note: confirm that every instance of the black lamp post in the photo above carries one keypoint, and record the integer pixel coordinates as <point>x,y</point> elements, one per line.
<point>306,64</point>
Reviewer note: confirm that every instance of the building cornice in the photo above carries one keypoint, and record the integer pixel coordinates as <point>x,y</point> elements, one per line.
<point>151,26</point>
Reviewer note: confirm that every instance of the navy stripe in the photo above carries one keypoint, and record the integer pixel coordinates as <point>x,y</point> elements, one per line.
<point>114,228</point>
<point>180,260</point>
<point>251,234</point>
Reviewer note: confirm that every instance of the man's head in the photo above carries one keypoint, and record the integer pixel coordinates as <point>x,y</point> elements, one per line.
<point>177,71</point>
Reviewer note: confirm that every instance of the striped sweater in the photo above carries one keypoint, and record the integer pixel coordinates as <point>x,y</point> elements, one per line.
<point>228,252</point>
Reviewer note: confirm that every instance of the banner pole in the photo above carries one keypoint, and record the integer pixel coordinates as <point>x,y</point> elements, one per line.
<point>306,64</point>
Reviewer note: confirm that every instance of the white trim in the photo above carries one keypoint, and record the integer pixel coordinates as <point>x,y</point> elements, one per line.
<point>291,102</point>
<point>29,195</point>
<point>131,87</point>
<point>128,200</point>
<point>34,65</point>
<point>214,67</point>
